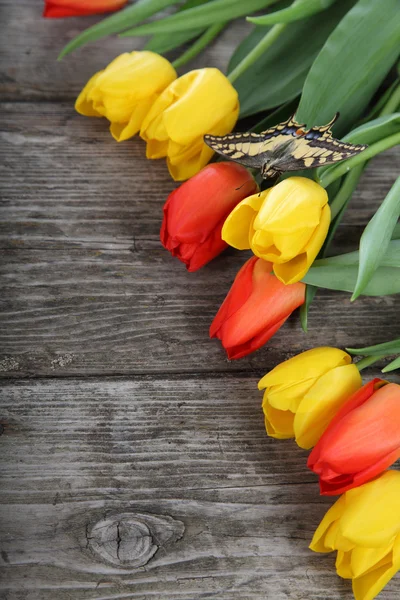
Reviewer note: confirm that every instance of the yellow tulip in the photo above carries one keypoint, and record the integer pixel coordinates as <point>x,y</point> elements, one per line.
<point>304,393</point>
<point>200,102</point>
<point>286,225</point>
<point>364,527</point>
<point>125,91</point>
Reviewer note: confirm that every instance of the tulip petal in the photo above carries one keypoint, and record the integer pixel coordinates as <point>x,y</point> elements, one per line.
<point>307,365</point>
<point>195,212</point>
<point>84,106</point>
<point>376,503</point>
<point>318,543</point>
<point>366,559</point>
<point>238,224</point>
<point>288,397</point>
<point>238,294</point>
<point>343,564</point>
<point>201,101</point>
<point>124,131</point>
<point>253,312</point>
<point>295,269</point>
<point>240,350</point>
<point>345,456</point>
<point>278,423</point>
<point>322,401</point>
<point>293,204</point>
<point>368,586</point>
<point>269,303</point>
<point>205,93</point>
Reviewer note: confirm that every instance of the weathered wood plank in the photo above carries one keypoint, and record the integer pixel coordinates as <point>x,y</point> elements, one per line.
<point>88,312</point>
<point>30,45</point>
<point>155,488</point>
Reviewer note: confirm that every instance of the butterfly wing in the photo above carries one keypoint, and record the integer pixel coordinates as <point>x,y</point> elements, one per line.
<point>244,148</point>
<point>286,147</point>
<point>312,148</point>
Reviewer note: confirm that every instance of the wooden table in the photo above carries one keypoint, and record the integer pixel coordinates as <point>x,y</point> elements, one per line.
<point>134,458</point>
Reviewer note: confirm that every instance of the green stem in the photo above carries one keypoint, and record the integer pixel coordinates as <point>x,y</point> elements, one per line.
<point>199,44</point>
<point>354,161</point>
<point>393,103</point>
<point>266,42</point>
<point>366,362</point>
<point>346,190</point>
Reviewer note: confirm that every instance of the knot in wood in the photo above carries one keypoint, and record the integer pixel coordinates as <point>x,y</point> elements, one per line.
<point>122,540</point>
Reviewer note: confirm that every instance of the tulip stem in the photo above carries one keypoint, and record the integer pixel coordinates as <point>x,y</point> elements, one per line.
<point>367,361</point>
<point>346,190</point>
<point>352,162</point>
<point>266,42</point>
<point>199,44</point>
<point>393,103</point>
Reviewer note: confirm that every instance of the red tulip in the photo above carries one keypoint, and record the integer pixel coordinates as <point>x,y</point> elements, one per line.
<point>361,441</point>
<point>74,8</point>
<point>255,308</point>
<point>195,212</point>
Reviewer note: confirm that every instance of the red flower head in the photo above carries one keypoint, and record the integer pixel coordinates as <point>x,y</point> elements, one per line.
<point>255,308</point>
<point>361,441</point>
<point>195,212</point>
<point>75,8</point>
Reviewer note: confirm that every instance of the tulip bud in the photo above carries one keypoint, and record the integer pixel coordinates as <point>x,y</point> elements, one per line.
<point>364,527</point>
<point>74,8</point>
<point>304,393</point>
<point>195,212</point>
<point>361,441</point>
<point>285,225</point>
<point>255,308</point>
<point>125,91</point>
<point>199,102</point>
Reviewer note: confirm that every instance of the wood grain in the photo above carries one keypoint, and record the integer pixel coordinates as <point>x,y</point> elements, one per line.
<point>230,511</point>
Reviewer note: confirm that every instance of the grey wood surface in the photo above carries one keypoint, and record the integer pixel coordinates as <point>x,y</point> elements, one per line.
<point>134,460</point>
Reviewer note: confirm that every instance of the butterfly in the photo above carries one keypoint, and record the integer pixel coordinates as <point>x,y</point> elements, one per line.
<point>285,147</point>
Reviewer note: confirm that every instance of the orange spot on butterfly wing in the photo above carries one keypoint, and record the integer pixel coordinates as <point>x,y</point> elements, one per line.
<point>300,132</point>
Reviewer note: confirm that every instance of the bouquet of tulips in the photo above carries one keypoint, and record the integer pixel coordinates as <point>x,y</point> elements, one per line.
<point>280,190</point>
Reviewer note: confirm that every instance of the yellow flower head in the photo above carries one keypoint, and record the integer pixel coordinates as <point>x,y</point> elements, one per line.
<point>364,527</point>
<point>285,225</point>
<point>200,102</point>
<point>125,91</point>
<point>303,393</point>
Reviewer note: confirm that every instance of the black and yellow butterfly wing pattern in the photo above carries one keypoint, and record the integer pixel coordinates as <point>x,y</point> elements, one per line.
<point>285,147</point>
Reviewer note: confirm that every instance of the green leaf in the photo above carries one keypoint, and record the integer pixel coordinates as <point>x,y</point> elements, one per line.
<point>300,9</point>
<point>118,22</point>
<point>311,290</point>
<point>391,257</point>
<point>277,116</point>
<point>380,107</point>
<point>374,130</point>
<point>352,64</point>
<point>376,238</point>
<point>278,75</point>
<point>340,273</point>
<point>385,281</point>
<point>368,133</point>
<point>164,42</point>
<point>395,364</point>
<point>199,45</point>
<point>385,349</point>
<point>396,232</point>
<point>202,16</point>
